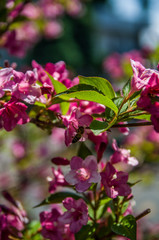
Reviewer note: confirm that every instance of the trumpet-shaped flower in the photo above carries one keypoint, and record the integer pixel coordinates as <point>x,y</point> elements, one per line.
<point>77,214</point>
<point>13,113</point>
<point>83,173</point>
<point>115,183</point>
<point>52,228</point>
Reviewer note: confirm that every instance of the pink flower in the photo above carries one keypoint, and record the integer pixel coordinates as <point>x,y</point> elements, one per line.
<point>112,65</point>
<point>91,107</point>
<point>26,88</point>
<point>76,126</point>
<point>83,173</point>
<point>18,149</point>
<point>101,142</point>
<point>124,130</point>
<point>13,219</point>
<point>115,183</point>
<point>141,76</point>
<point>13,113</point>
<point>31,11</point>
<point>122,155</point>
<point>155,115</point>
<point>6,80</point>
<point>58,180</point>
<point>53,29</point>
<point>20,40</point>
<point>52,228</point>
<point>77,214</point>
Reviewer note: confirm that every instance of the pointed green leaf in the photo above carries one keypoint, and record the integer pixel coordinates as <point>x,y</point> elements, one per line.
<point>127,87</point>
<point>59,197</point>
<point>100,83</point>
<point>98,127</point>
<point>88,93</point>
<point>126,228</point>
<point>60,87</point>
<point>84,151</point>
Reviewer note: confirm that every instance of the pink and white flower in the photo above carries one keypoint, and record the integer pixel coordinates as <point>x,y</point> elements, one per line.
<point>57,180</point>
<point>122,155</point>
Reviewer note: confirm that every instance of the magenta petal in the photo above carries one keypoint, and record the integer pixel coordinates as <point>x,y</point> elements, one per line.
<point>85,120</point>
<point>123,190</point>
<point>69,203</point>
<point>110,170</point>
<point>95,177</point>
<point>76,163</point>
<point>65,218</point>
<point>90,162</point>
<point>75,226</point>
<point>71,178</point>
<point>82,186</point>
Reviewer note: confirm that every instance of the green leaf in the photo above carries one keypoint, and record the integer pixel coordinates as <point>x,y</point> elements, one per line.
<point>126,228</point>
<point>83,151</point>
<point>59,197</point>
<point>32,231</point>
<point>88,93</point>
<point>40,104</point>
<point>124,207</point>
<point>85,233</point>
<point>60,87</point>
<point>143,117</point>
<point>127,87</point>
<point>100,83</point>
<point>98,127</point>
<point>103,205</point>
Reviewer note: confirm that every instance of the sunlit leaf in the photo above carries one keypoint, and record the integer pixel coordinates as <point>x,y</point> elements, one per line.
<point>88,93</point>
<point>60,87</point>
<point>126,228</point>
<point>100,83</point>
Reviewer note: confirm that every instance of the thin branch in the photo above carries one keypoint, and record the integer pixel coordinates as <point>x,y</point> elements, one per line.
<point>139,124</point>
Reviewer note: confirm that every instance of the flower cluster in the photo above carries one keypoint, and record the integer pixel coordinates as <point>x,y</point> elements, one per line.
<point>148,81</point>
<point>47,97</point>
<point>41,18</point>
<point>12,219</point>
<point>118,65</point>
